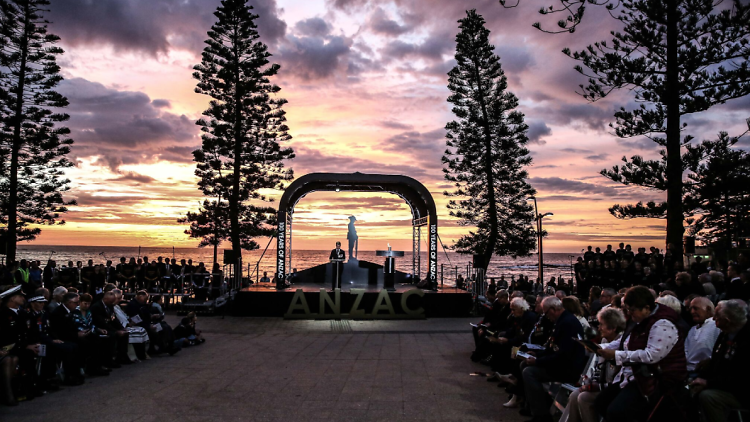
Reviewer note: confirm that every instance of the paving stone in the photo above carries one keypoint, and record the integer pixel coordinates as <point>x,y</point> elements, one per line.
<point>273,370</point>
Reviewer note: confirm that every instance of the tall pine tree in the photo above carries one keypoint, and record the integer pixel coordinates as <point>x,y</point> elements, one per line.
<point>717,192</point>
<point>32,146</point>
<point>486,152</point>
<point>241,153</point>
<point>677,57</point>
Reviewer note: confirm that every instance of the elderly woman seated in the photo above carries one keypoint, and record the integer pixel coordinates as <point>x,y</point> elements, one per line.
<point>653,345</point>
<point>521,322</point>
<point>581,402</point>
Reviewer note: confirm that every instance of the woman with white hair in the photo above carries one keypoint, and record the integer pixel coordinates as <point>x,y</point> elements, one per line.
<point>581,402</point>
<point>521,322</point>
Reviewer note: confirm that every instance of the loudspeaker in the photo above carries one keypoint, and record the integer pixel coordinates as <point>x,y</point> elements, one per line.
<point>688,243</point>
<point>229,257</point>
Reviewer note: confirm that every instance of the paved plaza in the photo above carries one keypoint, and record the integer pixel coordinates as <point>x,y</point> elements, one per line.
<point>269,369</point>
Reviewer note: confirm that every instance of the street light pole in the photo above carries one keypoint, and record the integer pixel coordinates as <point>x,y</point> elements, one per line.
<point>541,250</point>
<point>538,221</point>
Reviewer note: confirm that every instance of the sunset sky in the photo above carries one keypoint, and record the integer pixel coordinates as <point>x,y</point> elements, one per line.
<point>366,85</point>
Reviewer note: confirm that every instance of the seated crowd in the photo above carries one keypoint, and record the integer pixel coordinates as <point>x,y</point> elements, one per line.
<point>46,341</point>
<point>156,276</point>
<point>665,349</point>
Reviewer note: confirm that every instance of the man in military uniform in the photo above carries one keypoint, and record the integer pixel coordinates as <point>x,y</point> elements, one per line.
<point>13,320</point>
<point>12,340</point>
<point>37,324</point>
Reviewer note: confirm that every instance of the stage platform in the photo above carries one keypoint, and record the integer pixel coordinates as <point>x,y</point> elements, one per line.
<point>362,285</point>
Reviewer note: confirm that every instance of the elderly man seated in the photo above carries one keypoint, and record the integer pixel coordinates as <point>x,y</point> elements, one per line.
<point>724,385</point>
<point>562,360</point>
<point>701,338</point>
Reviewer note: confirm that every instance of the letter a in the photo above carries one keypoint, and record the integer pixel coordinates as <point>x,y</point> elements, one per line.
<point>298,303</point>
<point>383,303</point>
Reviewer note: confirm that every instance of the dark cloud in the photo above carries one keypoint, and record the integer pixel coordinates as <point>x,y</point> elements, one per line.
<point>123,127</point>
<point>347,5</point>
<point>433,48</point>
<point>576,150</point>
<point>738,104</point>
<point>425,148</point>
<point>568,198</point>
<point>514,60</point>
<point>643,144</point>
<point>150,26</point>
<point>313,58</point>
<point>381,23</point>
<point>592,117</point>
<point>559,185</point>
<point>310,160</point>
<point>391,124</point>
<point>597,157</point>
<point>313,27</point>
<point>538,129</point>
<point>159,103</point>
<point>130,176</point>
<point>86,199</point>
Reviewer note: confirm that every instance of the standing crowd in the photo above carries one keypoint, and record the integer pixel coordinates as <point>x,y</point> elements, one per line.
<point>637,337</point>
<point>161,275</point>
<point>60,326</point>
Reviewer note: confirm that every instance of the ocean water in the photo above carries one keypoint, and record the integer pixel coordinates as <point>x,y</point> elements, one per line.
<point>555,264</point>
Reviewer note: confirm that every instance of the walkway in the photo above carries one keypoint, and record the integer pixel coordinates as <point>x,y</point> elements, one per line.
<point>268,369</point>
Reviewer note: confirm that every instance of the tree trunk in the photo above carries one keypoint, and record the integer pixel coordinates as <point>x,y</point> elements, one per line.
<point>234,205</point>
<point>216,254</point>
<point>12,239</point>
<point>492,240</point>
<point>675,227</point>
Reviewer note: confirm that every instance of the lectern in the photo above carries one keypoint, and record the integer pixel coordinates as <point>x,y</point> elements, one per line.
<point>389,267</point>
<point>336,263</point>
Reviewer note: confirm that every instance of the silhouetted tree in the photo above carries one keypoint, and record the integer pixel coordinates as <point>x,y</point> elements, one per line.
<point>717,192</point>
<point>240,153</point>
<point>677,57</point>
<point>32,146</point>
<point>486,152</point>
<point>209,224</point>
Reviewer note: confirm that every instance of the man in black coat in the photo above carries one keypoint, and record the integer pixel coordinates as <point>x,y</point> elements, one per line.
<point>562,360</point>
<point>337,268</point>
<point>103,314</point>
<point>723,386</point>
<point>494,320</point>
<point>139,312</point>
<point>64,328</point>
<point>49,275</point>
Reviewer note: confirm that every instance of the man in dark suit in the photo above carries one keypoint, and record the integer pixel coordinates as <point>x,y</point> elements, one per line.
<point>562,360</point>
<point>64,328</point>
<point>103,315</point>
<point>337,268</point>
<point>50,274</point>
<point>723,385</point>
